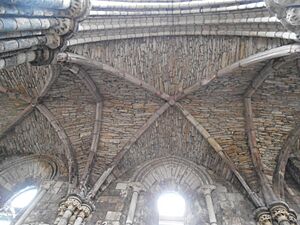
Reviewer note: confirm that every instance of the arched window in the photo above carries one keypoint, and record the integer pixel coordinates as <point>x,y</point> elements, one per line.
<point>171,208</point>
<point>16,204</point>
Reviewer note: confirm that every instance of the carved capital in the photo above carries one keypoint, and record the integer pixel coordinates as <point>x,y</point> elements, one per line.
<point>85,210</point>
<point>62,207</point>
<point>207,189</point>
<point>137,186</point>
<point>292,217</point>
<point>263,216</point>
<point>73,202</point>
<point>79,9</point>
<point>65,26</point>
<point>279,212</point>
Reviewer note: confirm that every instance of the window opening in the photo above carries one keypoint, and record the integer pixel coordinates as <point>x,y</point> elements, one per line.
<point>171,208</point>
<point>16,204</point>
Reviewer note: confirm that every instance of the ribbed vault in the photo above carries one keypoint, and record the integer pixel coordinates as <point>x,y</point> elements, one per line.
<point>106,86</point>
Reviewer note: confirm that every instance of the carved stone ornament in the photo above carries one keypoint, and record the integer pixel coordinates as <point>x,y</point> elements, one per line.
<point>79,9</point>
<point>62,207</point>
<point>292,217</point>
<point>279,212</point>
<point>73,202</point>
<point>288,12</point>
<point>85,210</point>
<point>263,216</point>
<point>207,189</point>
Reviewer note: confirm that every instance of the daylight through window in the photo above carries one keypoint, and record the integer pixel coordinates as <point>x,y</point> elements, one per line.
<point>15,205</point>
<point>171,208</point>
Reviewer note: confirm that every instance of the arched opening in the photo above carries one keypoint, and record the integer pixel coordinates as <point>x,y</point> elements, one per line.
<point>171,208</point>
<point>16,204</point>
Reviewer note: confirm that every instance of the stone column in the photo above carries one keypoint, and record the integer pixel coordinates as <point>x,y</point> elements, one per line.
<point>85,211</point>
<point>206,190</point>
<point>263,216</point>
<point>47,26</point>
<point>280,213</point>
<point>61,210</point>
<point>293,217</point>
<point>73,202</point>
<point>73,217</point>
<point>136,190</point>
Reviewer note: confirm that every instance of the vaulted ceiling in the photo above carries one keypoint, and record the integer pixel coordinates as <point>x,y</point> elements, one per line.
<point>136,122</point>
<point>137,84</point>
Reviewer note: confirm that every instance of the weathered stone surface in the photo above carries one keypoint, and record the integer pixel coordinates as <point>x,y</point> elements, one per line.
<point>9,109</point>
<point>74,107</point>
<point>276,111</point>
<point>173,135</point>
<point>166,94</point>
<point>25,79</point>
<point>173,63</point>
<point>45,210</point>
<point>219,108</point>
<point>125,110</point>
<point>33,135</point>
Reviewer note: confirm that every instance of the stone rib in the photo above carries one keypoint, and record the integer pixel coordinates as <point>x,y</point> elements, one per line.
<point>218,149</point>
<point>69,151</point>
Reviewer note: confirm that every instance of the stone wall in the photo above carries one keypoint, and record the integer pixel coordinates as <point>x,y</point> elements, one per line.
<point>74,108</point>
<point>173,63</point>
<point>45,210</point>
<point>277,110</point>
<point>231,207</point>
<point>34,136</point>
<point>173,135</point>
<point>126,109</point>
<point>19,172</point>
<point>10,108</point>
<point>112,205</point>
<point>168,63</point>
<point>25,79</point>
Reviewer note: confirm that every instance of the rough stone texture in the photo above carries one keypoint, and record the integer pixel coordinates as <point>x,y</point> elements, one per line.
<point>219,107</point>
<point>173,63</point>
<point>33,135</point>
<point>126,108</point>
<point>25,79</point>
<point>276,111</point>
<point>230,205</point>
<point>110,206</point>
<point>173,135</point>
<point>74,108</point>
<point>170,48</point>
<point>10,108</point>
<point>292,194</point>
<point>168,63</point>
<point>45,210</point>
<point>19,172</point>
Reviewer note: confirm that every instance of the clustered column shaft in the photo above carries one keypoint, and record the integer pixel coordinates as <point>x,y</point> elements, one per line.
<point>277,213</point>
<point>73,211</point>
<point>39,27</point>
